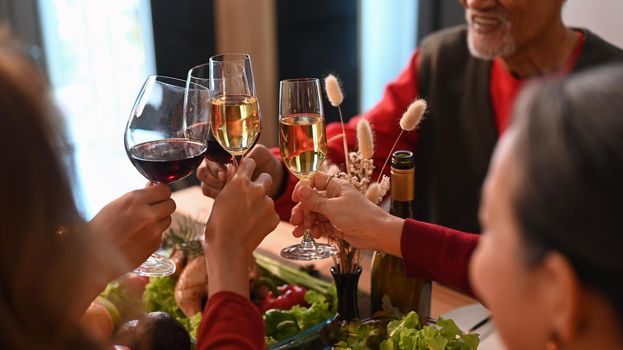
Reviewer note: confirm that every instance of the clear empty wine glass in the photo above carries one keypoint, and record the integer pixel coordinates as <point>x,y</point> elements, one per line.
<point>160,143</point>
<point>303,147</point>
<point>234,114</point>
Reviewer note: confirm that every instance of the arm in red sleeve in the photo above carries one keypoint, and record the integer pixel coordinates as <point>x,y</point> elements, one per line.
<point>230,321</point>
<point>438,253</point>
<point>384,118</point>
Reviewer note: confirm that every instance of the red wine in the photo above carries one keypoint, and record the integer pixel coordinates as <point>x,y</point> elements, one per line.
<point>167,160</point>
<point>215,151</point>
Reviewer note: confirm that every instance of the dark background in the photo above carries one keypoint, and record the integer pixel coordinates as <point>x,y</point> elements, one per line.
<point>314,38</point>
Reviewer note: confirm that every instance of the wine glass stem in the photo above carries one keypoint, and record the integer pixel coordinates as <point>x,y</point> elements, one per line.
<point>308,241</point>
<point>236,161</point>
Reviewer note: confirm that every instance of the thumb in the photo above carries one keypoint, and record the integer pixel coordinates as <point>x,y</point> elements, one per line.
<point>312,200</point>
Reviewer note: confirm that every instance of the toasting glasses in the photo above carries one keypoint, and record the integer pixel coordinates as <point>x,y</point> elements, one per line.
<point>303,148</point>
<point>165,138</point>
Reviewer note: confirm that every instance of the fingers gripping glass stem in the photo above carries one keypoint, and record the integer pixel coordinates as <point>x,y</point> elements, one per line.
<point>308,249</point>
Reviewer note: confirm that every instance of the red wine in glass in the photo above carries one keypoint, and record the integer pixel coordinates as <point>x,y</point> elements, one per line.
<point>215,151</point>
<point>167,160</point>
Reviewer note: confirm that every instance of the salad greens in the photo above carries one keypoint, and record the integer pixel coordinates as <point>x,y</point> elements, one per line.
<point>280,324</point>
<point>407,333</point>
<point>159,296</point>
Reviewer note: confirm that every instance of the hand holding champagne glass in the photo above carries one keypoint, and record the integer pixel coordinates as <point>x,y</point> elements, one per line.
<point>162,143</point>
<point>303,148</point>
<point>235,113</point>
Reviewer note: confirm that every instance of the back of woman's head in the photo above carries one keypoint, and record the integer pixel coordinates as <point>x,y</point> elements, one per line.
<point>41,242</point>
<point>570,197</point>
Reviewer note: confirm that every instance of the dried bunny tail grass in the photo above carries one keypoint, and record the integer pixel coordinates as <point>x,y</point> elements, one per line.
<point>374,192</point>
<point>409,121</point>
<point>413,115</point>
<point>365,139</point>
<point>333,90</point>
<point>335,96</point>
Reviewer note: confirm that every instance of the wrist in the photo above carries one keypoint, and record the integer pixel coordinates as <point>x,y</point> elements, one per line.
<point>228,272</point>
<point>390,227</point>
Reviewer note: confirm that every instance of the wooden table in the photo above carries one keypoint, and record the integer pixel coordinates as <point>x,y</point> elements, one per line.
<point>191,202</point>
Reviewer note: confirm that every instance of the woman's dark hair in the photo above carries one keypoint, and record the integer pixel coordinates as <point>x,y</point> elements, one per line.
<point>570,196</point>
<point>42,238</point>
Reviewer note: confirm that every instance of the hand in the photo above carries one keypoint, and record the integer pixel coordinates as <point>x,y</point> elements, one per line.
<point>213,176</point>
<point>133,224</point>
<point>345,213</point>
<point>242,215</point>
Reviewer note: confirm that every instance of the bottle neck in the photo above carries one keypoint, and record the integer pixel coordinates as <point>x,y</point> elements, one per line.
<point>402,184</point>
<point>402,188</point>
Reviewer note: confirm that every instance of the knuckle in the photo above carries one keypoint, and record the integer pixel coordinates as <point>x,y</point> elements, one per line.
<point>166,222</point>
<point>172,205</point>
<point>151,218</point>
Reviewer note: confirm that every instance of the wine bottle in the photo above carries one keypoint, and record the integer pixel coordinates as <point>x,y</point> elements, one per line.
<point>388,274</point>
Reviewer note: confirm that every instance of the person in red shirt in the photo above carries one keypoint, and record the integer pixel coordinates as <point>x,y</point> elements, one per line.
<point>548,264</point>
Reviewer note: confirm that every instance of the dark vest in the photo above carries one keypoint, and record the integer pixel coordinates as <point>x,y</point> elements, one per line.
<point>459,134</point>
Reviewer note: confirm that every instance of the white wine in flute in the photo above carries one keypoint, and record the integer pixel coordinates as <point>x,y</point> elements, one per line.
<point>302,143</point>
<point>235,122</point>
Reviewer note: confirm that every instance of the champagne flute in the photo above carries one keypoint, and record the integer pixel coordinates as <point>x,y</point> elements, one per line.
<point>235,113</point>
<point>303,147</point>
<point>159,143</point>
<point>200,75</point>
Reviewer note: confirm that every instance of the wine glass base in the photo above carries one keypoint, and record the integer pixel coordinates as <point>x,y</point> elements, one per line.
<point>317,252</point>
<point>156,266</point>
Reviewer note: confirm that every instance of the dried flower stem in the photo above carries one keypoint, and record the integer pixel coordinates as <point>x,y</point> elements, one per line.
<point>344,143</point>
<point>389,156</point>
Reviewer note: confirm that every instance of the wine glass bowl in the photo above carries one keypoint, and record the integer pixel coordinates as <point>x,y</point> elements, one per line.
<point>303,147</point>
<point>165,139</point>
<point>200,75</point>
<point>234,110</point>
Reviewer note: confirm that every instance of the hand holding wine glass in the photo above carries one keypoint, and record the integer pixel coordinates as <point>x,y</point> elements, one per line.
<point>303,147</point>
<point>134,223</point>
<point>163,142</point>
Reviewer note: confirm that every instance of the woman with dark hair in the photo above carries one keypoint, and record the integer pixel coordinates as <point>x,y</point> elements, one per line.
<point>53,264</point>
<point>549,264</point>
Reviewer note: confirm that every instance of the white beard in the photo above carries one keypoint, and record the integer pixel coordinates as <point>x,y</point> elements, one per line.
<point>502,47</point>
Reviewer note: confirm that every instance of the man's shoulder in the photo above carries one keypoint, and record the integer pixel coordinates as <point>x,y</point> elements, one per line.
<point>597,51</point>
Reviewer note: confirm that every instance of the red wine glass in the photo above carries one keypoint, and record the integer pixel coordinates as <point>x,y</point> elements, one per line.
<point>160,143</point>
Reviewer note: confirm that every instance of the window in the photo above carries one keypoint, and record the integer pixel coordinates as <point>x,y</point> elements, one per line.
<point>98,54</point>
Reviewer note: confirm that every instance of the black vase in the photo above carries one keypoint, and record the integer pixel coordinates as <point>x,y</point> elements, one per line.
<point>346,285</point>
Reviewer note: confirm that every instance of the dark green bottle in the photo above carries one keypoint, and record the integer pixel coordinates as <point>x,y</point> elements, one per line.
<point>388,275</point>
